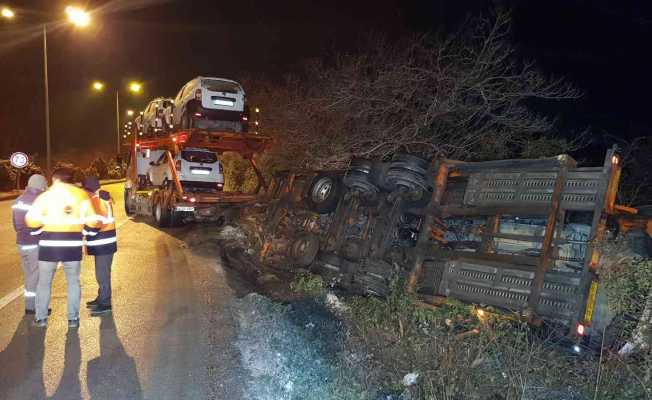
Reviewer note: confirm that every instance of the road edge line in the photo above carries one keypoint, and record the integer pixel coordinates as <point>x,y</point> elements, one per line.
<point>5,301</point>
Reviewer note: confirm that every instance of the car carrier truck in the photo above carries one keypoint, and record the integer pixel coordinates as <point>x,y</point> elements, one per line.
<point>175,201</point>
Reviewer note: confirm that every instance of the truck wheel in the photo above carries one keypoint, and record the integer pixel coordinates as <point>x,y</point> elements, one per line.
<point>407,171</point>
<point>304,249</point>
<point>162,214</point>
<point>324,193</point>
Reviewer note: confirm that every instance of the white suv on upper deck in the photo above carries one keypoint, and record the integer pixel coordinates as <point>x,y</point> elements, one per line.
<point>211,103</point>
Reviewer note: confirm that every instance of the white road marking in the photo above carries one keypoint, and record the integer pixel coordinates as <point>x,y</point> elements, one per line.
<point>11,297</point>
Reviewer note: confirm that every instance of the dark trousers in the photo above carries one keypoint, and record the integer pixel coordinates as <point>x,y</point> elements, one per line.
<point>103,276</point>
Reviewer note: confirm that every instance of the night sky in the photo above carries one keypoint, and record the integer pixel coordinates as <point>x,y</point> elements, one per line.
<point>601,46</point>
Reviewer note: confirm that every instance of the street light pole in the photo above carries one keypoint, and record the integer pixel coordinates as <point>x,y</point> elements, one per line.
<point>48,149</point>
<point>117,118</point>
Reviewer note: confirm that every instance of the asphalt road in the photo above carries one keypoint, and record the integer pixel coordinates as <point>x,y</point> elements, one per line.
<point>170,335</point>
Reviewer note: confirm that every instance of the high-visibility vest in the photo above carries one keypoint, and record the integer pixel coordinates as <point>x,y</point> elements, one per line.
<point>105,241</point>
<point>62,214</point>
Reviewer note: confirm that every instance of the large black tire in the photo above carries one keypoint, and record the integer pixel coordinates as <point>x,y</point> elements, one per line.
<point>304,249</point>
<point>324,193</point>
<point>162,214</point>
<point>407,171</point>
<point>359,178</point>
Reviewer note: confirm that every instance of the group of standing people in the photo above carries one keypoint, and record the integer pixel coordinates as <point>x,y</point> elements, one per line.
<point>53,226</point>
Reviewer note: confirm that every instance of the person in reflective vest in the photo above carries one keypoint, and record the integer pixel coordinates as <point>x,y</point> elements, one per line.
<point>101,245</point>
<point>28,243</point>
<point>62,214</point>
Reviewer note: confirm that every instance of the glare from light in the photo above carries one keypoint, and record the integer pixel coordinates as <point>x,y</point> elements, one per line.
<point>577,348</point>
<point>7,13</point>
<point>98,86</point>
<point>614,160</point>
<point>135,87</point>
<point>257,109</point>
<point>78,16</point>
<point>141,113</point>
<point>130,113</point>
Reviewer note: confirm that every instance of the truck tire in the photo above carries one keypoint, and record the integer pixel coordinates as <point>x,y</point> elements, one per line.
<point>408,171</point>
<point>324,193</point>
<point>304,249</point>
<point>162,214</point>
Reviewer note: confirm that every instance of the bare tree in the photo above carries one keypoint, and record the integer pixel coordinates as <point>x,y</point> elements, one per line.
<point>464,95</point>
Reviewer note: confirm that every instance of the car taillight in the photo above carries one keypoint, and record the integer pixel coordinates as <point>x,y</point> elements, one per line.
<point>198,94</point>
<point>178,165</point>
<point>197,115</point>
<point>580,329</point>
<point>220,186</point>
<point>244,118</point>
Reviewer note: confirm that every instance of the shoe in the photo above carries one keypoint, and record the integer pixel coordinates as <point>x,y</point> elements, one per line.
<point>73,323</point>
<point>41,323</point>
<point>93,303</point>
<point>32,312</point>
<point>101,309</point>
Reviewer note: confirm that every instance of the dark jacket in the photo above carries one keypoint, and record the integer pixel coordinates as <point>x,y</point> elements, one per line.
<point>105,241</point>
<point>20,207</point>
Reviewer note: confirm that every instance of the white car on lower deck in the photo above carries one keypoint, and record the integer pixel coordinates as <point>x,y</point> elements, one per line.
<point>198,169</point>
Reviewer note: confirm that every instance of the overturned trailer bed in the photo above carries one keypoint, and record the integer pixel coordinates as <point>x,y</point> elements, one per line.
<point>518,235</point>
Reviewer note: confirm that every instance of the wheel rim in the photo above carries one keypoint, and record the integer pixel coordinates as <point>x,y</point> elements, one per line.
<point>321,190</point>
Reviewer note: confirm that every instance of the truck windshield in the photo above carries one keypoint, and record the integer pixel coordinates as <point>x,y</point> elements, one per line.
<point>195,156</point>
<point>215,85</point>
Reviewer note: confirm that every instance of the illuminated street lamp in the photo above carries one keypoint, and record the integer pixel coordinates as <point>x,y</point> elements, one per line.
<point>135,87</point>
<point>7,13</point>
<point>98,86</point>
<point>78,17</point>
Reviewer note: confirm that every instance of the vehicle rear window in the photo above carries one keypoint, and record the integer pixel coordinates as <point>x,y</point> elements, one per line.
<point>215,85</point>
<point>196,156</point>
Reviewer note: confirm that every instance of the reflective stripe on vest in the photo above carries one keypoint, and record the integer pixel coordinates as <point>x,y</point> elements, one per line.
<point>21,206</point>
<point>100,242</point>
<point>61,243</point>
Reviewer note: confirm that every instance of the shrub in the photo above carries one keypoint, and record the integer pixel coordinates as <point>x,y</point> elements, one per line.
<point>312,285</point>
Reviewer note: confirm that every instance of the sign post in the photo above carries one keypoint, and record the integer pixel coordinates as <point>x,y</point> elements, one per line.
<point>18,160</point>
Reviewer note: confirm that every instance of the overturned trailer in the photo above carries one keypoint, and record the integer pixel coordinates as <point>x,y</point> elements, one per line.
<point>518,235</point>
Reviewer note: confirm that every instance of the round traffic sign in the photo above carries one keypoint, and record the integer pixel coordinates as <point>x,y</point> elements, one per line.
<point>19,159</point>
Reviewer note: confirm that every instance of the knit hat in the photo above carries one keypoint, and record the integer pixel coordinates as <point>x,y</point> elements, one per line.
<point>37,181</point>
<point>91,184</point>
